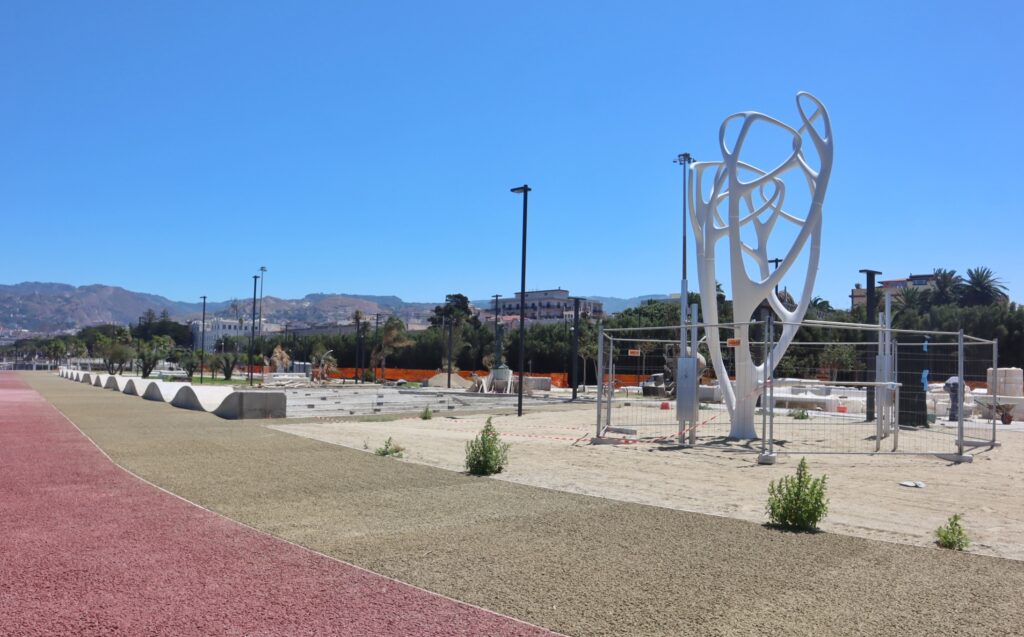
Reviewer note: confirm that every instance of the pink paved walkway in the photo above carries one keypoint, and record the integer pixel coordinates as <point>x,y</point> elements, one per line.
<point>87,549</point>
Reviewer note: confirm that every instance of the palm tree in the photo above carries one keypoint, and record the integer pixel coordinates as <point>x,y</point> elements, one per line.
<point>359,320</point>
<point>948,287</point>
<point>983,288</point>
<point>910,300</point>
<point>821,307</point>
<point>392,338</point>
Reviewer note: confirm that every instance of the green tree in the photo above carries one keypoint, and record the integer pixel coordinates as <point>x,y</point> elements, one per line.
<point>227,362</point>
<point>836,358</point>
<point>56,349</point>
<point>150,353</point>
<point>948,287</point>
<point>188,361</point>
<point>983,287</point>
<point>456,308</point>
<point>911,300</point>
<point>116,354</point>
<point>393,337</point>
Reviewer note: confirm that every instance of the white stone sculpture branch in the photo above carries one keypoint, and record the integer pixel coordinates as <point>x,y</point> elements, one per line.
<point>760,201</point>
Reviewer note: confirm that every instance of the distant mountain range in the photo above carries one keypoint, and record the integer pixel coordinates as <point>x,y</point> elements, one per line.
<point>56,307</point>
<point>614,305</point>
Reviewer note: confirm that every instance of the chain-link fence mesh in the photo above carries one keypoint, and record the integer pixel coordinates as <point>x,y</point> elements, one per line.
<point>838,388</point>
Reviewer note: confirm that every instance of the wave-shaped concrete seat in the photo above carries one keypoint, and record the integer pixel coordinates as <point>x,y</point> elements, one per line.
<point>137,386</point>
<point>115,382</point>
<point>221,401</point>
<point>161,391</point>
<point>201,398</point>
<point>253,404</point>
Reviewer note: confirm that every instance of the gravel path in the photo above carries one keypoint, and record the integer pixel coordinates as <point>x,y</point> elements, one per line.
<point>90,550</point>
<point>576,564</point>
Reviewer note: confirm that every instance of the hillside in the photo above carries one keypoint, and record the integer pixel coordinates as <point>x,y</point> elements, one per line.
<point>54,307</point>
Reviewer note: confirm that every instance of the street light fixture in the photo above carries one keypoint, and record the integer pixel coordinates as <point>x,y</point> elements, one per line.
<point>451,323</point>
<point>872,319</point>
<point>252,328</point>
<point>263,273</point>
<point>202,344</point>
<point>574,374</point>
<point>524,190</point>
<point>684,160</point>
<point>497,333</point>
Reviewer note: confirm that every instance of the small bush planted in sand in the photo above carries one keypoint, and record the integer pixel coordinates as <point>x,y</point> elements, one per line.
<point>486,454</point>
<point>797,502</point>
<point>390,449</point>
<point>798,414</point>
<point>952,535</point>
<point>426,414</point>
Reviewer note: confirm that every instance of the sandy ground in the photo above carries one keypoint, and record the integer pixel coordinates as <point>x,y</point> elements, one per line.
<point>577,564</point>
<point>552,450</point>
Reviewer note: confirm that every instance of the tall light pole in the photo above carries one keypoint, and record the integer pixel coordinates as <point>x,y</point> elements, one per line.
<point>202,344</point>
<point>776,263</point>
<point>359,349</point>
<point>497,333</point>
<point>252,328</point>
<point>376,343</point>
<point>573,380</point>
<point>451,322</point>
<point>684,160</point>
<point>263,273</point>
<point>872,319</point>
<point>524,190</point>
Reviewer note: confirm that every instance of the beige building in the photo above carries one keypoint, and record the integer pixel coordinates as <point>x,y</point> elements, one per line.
<point>549,305</point>
<point>858,295</point>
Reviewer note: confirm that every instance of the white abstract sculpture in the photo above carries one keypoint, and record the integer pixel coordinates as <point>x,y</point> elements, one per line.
<point>742,194</point>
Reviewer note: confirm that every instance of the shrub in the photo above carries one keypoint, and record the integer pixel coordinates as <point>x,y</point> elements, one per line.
<point>486,454</point>
<point>797,502</point>
<point>798,414</point>
<point>390,449</point>
<point>952,535</point>
<point>426,414</point>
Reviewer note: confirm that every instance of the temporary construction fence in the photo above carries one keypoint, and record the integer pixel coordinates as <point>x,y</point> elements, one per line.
<point>838,388</point>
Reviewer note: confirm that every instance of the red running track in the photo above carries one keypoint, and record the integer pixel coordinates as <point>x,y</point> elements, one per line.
<point>88,549</point>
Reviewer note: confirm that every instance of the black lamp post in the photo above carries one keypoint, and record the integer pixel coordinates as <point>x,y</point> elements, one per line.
<point>525,191</point>
<point>359,349</point>
<point>872,319</point>
<point>684,160</point>
<point>776,261</point>
<point>573,378</point>
<point>252,328</point>
<point>451,322</point>
<point>202,344</point>
<point>497,333</point>
<point>376,343</point>
<point>263,273</point>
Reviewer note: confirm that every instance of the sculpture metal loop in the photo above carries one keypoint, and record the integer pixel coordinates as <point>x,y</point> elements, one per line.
<point>732,204</point>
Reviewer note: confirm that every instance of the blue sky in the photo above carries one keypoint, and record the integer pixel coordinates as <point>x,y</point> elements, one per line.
<point>369,147</point>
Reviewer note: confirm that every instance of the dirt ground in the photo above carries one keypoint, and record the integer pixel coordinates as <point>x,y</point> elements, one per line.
<point>551,449</point>
<point>577,564</point>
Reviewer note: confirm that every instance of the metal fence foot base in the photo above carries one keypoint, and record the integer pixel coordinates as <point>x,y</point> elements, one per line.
<point>766,458</point>
<point>955,457</point>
